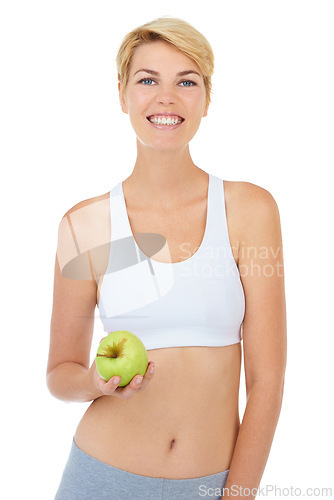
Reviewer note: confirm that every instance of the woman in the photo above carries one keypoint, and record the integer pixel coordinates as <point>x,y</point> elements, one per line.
<point>191,264</point>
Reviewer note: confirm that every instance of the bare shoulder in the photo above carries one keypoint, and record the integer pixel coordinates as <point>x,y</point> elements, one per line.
<point>252,216</point>
<point>90,203</point>
<point>89,220</point>
<point>84,238</point>
<point>247,193</point>
<point>247,203</point>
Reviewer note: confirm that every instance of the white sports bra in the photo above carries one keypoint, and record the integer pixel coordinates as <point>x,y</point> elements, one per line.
<point>196,302</point>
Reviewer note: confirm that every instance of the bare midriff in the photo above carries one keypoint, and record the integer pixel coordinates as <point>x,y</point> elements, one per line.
<point>183,425</point>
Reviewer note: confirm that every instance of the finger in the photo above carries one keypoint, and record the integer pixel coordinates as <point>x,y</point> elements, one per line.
<point>109,387</point>
<point>150,369</point>
<point>113,383</point>
<point>139,379</point>
<point>139,382</point>
<point>135,383</point>
<point>130,389</point>
<point>148,375</point>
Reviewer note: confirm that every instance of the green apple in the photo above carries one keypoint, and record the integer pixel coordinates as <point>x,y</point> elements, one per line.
<point>121,353</point>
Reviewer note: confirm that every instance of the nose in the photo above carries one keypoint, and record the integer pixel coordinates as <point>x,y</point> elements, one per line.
<point>165,95</point>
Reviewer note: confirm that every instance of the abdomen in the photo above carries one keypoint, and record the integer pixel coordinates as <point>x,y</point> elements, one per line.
<point>183,425</point>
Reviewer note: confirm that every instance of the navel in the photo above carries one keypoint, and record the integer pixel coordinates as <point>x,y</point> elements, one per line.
<point>172,444</point>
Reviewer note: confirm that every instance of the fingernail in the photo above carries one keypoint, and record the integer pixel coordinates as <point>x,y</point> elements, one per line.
<point>117,380</point>
<point>152,369</point>
<point>139,379</point>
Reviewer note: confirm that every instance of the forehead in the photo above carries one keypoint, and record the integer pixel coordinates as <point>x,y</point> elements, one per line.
<point>156,55</point>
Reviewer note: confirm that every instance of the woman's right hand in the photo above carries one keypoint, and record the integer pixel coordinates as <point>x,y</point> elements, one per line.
<point>110,388</point>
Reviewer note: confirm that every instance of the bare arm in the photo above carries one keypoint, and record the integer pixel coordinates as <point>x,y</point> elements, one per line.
<point>72,324</point>
<point>264,340</point>
<point>69,376</point>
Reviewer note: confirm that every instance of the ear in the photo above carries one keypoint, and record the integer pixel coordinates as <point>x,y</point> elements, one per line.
<point>121,99</point>
<point>206,110</point>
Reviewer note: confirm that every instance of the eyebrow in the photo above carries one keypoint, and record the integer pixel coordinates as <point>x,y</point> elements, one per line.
<point>155,73</point>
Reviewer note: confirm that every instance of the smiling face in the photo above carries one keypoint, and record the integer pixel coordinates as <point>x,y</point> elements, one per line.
<point>173,87</point>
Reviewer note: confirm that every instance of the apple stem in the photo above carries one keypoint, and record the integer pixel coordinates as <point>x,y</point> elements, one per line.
<point>107,356</point>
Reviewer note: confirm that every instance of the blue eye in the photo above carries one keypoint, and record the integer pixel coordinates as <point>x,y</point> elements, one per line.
<point>189,81</point>
<point>145,80</point>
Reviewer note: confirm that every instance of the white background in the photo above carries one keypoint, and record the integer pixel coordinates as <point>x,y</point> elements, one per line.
<point>65,139</point>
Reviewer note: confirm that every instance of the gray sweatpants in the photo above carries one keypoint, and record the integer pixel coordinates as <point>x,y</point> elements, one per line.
<point>85,478</point>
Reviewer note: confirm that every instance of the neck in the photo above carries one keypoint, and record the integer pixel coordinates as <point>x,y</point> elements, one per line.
<point>164,179</point>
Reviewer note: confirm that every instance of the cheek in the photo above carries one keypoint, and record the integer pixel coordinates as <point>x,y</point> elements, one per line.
<point>196,101</point>
<point>138,99</point>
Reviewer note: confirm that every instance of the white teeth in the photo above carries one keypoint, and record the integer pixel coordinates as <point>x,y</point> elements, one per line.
<point>164,121</point>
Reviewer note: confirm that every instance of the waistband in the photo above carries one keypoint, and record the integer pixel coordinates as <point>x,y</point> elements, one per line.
<point>77,454</point>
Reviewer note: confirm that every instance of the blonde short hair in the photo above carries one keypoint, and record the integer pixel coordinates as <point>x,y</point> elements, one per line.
<point>176,32</point>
